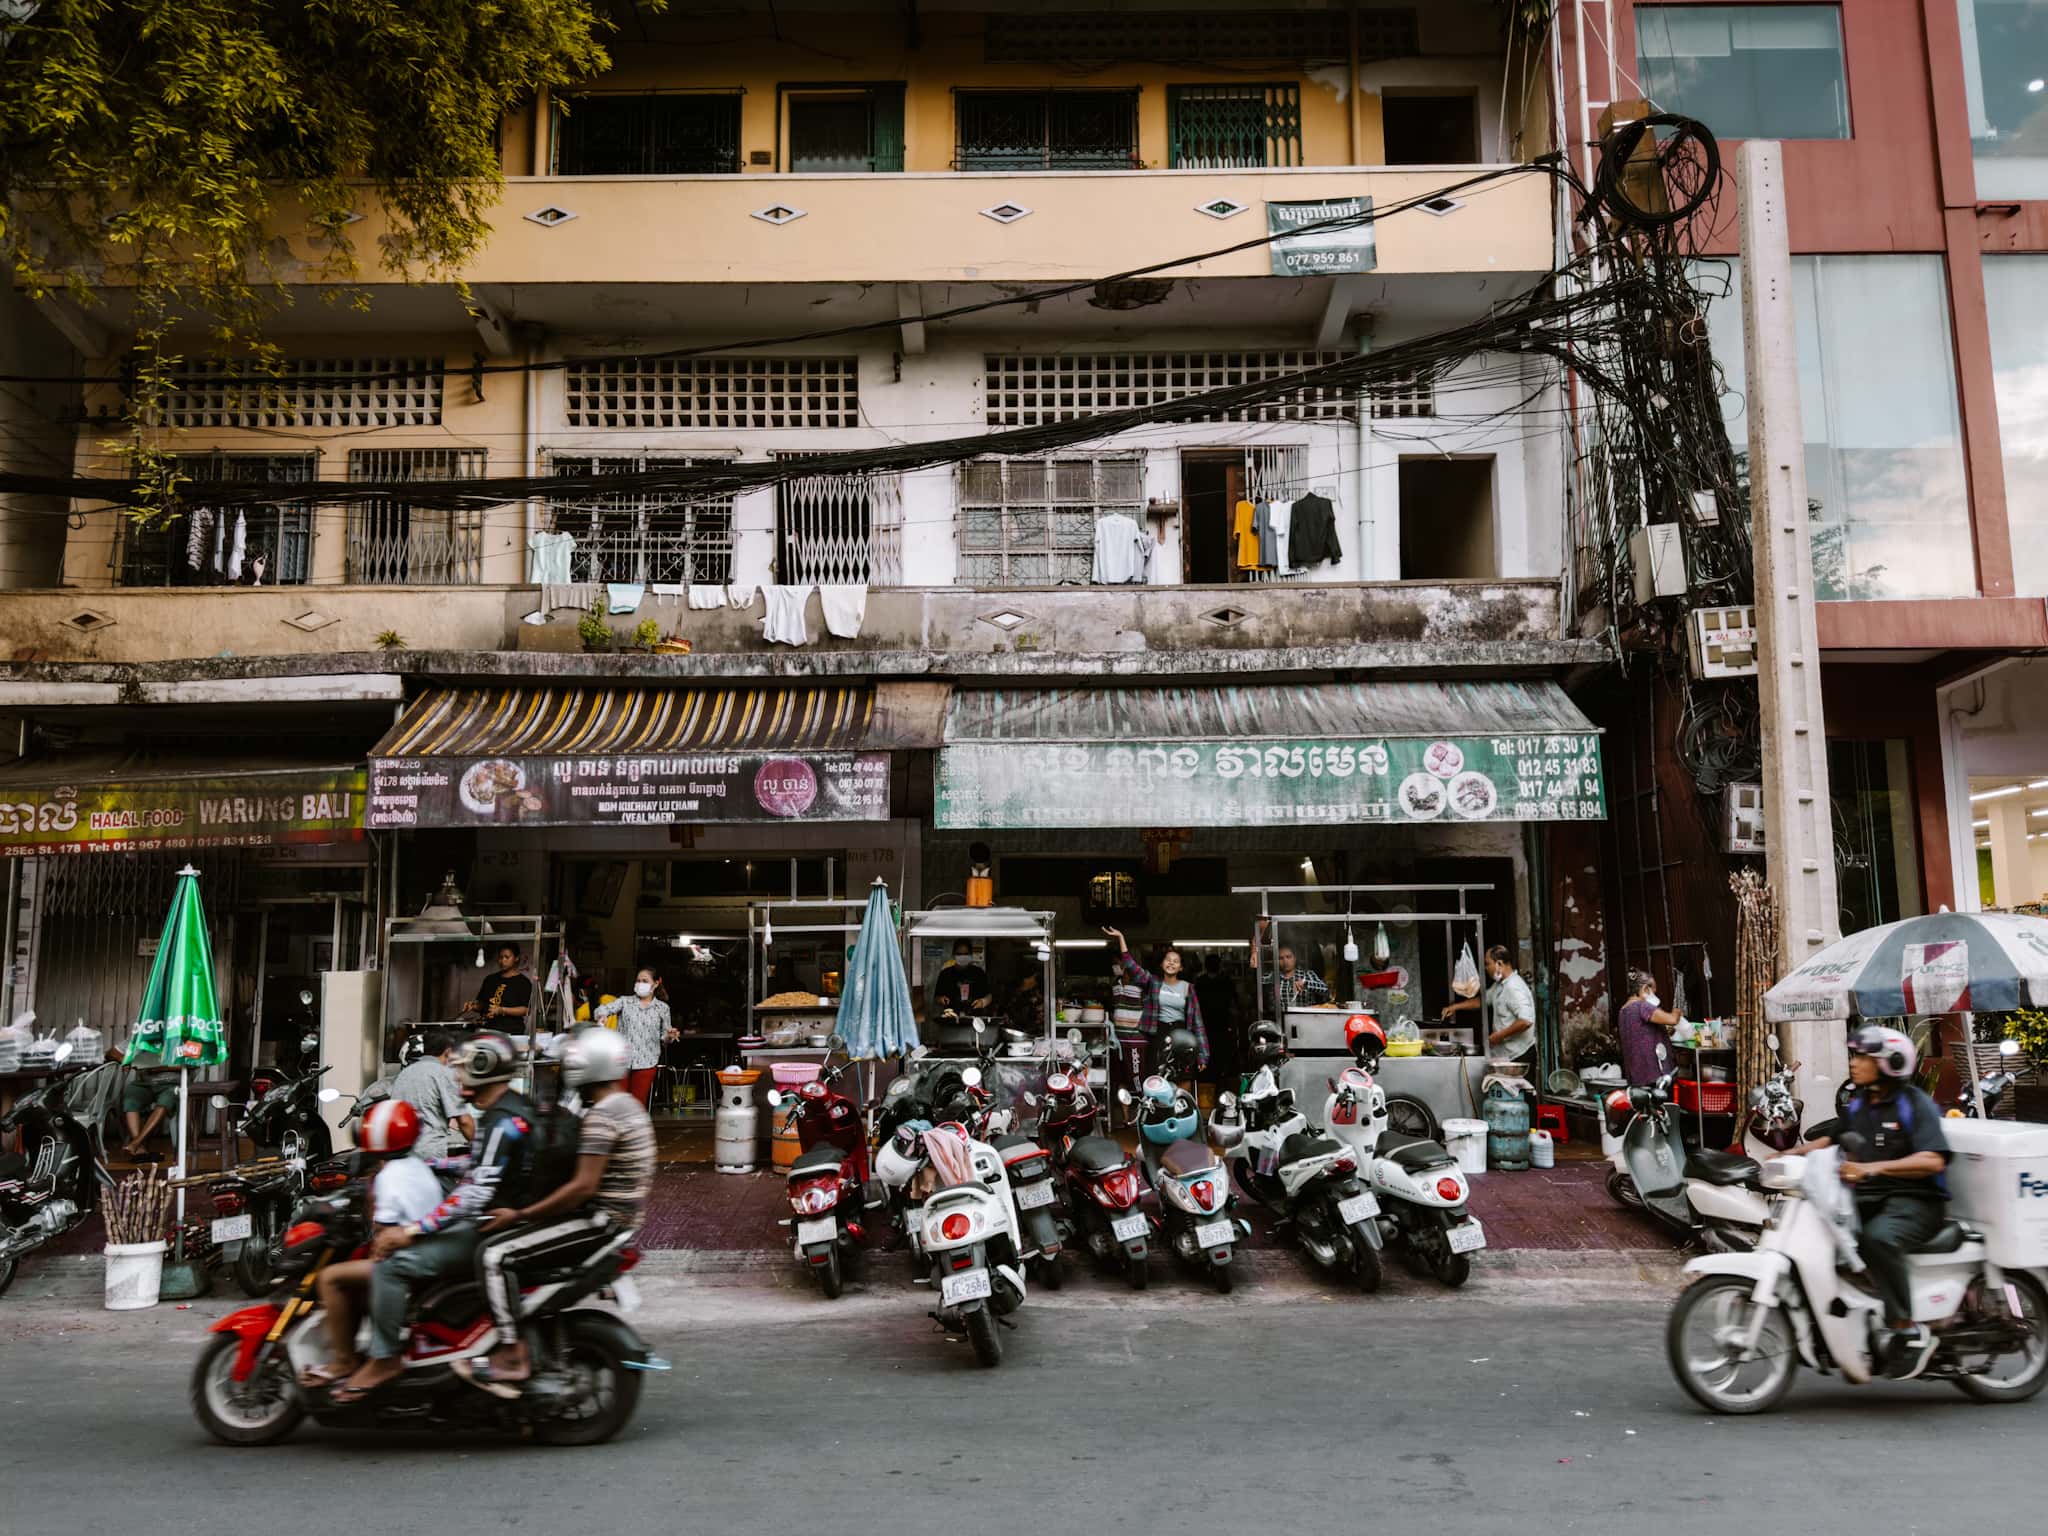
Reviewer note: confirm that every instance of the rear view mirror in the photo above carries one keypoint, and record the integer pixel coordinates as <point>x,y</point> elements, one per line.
<point>306,998</point>
<point>1123,1095</point>
<point>1772,1041</point>
<point>1074,1036</point>
<point>329,1095</point>
<point>981,1026</point>
<point>775,1098</point>
<point>1662,1054</point>
<point>1030,1097</point>
<point>217,1102</point>
<point>63,1054</point>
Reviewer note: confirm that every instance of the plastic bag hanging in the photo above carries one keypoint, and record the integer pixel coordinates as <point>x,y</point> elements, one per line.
<point>1382,951</point>
<point>1465,976</point>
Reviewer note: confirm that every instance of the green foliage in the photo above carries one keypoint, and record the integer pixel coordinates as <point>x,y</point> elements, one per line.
<point>593,630</point>
<point>646,633</point>
<point>391,640</point>
<point>173,147</point>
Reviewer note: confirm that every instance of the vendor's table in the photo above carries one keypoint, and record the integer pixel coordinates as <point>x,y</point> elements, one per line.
<point>1449,1085</point>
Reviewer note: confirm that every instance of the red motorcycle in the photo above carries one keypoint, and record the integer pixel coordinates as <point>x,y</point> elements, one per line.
<point>1105,1188</point>
<point>828,1182</point>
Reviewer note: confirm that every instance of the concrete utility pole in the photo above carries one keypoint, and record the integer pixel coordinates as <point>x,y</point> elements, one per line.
<point>1799,834</point>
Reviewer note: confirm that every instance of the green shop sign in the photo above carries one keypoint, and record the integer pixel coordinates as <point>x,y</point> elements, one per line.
<point>1270,783</point>
<point>230,811</point>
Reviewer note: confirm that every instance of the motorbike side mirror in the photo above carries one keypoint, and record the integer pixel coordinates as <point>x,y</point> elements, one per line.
<point>1123,1096</point>
<point>63,1054</point>
<point>1332,1082</point>
<point>217,1102</point>
<point>971,1077</point>
<point>329,1095</point>
<point>306,998</point>
<point>1073,1037</point>
<point>2008,1047</point>
<point>775,1098</point>
<point>1772,1041</point>
<point>981,1026</point>
<point>1662,1054</point>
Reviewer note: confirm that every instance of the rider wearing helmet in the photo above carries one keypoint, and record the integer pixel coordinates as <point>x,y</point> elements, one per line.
<point>444,1241</point>
<point>599,1206</point>
<point>404,1189</point>
<point>1898,1172</point>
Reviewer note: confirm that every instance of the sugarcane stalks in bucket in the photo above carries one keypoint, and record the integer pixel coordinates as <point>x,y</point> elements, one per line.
<point>138,1209</point>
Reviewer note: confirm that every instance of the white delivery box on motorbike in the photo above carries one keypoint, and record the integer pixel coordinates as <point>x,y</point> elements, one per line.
<point>1998,1182</point>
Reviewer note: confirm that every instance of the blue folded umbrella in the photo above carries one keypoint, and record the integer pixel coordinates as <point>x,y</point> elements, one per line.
<point>876,1017</point>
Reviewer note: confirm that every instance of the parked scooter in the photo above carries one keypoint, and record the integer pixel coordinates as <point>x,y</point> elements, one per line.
<point>1193,1185</point>
<point>970,1234</point>
<point>1422,1191</point>
<point>1739,1333</point>
<point>828,1181</point>
<point>1104,1188</point>
<point>54,1182</point>
<point>1309,1182</point>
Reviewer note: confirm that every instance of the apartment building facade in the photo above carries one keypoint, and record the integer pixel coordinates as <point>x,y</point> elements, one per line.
<point>773,234</point>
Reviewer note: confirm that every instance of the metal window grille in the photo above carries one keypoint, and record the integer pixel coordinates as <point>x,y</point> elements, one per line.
<point>196,550</point>
<point>722,392</point>
<point>308,392</point>
<point>1275,472</point>
<point>1102,37</point>
<point>1046,130</point>
<point>1031,522</point>
<point>648,135</point>
<point>1234,127</point>
<point>1036,389</point>
<point>392,542</point>
<point>839,529</point>
<point>644,536</point>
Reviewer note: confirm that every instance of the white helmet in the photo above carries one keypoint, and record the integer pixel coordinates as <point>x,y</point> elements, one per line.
<point>594,1055</point>
<point>1893,1051</point>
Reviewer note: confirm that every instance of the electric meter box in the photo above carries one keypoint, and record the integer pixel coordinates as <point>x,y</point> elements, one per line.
<point>1998,1183</point>
<point>1656,557</point>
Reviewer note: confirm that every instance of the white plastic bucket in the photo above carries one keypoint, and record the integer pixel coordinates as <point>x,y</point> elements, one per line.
<point>135,1273</point>
<point>1542,1149</point>
<point>1466,1141</point>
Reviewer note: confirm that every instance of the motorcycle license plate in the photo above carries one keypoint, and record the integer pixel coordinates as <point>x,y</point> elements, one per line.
<point>1357,1208</point>
<point>824,1230</point>
<point>627,1293</point>
<point>228,1229</point>
<point>1130,1228</point>
<point>1032,1196</point>
<point>1217,1234</point>
<point>1467,1236</point>
<point>968,1285</point>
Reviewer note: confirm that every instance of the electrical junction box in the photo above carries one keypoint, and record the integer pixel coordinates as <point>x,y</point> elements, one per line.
<point>1743,820</point>
<point>1724,642</point>
<point>1656,554</point>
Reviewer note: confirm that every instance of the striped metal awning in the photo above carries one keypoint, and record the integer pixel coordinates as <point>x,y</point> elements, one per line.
<point>605,722</point>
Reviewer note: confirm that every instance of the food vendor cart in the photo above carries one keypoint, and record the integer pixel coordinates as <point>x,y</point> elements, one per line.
<point>947,925</point>
<point>431,967</point>
<point>1448,1074</point>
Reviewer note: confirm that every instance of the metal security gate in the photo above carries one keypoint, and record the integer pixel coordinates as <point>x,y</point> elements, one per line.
<point>839,529</point>
<point>1233,127</point>
<point>395,543</point>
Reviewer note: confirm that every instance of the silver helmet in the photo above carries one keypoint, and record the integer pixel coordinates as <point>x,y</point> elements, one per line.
<point>594,1054</point>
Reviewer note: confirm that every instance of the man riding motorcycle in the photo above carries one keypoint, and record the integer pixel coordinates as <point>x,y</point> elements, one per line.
<point>1898,1173</point>
<point>601,1203</point>
<point>444,1242</point>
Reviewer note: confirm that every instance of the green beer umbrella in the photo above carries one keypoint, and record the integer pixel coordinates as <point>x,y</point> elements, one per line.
<point>179,1023</point>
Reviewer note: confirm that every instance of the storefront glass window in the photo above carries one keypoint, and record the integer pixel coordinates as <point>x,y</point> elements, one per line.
<point>1877,845</point>
<point>1747,71</point>
<point>2016,292</point>
<point>1884,442</point>
<point>2005,78</point>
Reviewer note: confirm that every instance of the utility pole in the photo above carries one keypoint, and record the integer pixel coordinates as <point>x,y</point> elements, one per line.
<point>1799,838</point>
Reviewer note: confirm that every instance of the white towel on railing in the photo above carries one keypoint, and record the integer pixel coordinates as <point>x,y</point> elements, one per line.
<point>845,605</point>
<point>784,623</point>
<point>623,596</point>
<point>666,593</point>
<point>703,597</point>
<point>741,596</point>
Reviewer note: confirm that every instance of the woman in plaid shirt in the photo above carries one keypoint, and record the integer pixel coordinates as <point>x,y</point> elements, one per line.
<point>1170,1000</point>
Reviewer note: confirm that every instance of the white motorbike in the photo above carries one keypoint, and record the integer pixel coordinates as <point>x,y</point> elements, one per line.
<point>1739,1332</point>
<point>1420,1188</point>
<point>1308,1182</point>
<point>967,1226</point>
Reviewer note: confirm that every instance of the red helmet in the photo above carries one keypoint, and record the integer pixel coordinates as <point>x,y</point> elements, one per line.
<point>1361,1028</point>
<point>389,1125</point>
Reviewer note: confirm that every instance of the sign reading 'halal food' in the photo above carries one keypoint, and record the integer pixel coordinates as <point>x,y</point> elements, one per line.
<point>628,791</point>
<point>231,811</point>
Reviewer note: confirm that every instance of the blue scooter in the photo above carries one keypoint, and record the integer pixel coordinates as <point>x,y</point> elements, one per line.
<point>1194,1187</point>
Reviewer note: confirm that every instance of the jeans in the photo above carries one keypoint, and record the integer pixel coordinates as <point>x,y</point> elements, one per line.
<point>433,1257</point>
<point>1893,1226</point>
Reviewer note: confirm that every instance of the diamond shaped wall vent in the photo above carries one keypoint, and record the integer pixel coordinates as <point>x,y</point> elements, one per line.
<point>312,620</point>
<point>778,214</point>
<point>1222,208</point>
<point>1006,620</point>
<point>1006,213</point>
<point>550,216</point>
<point>87,620</point>
<point>1225,618</point>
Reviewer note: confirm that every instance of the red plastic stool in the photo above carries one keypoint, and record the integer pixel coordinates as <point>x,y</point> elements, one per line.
<point>1550,1117</point>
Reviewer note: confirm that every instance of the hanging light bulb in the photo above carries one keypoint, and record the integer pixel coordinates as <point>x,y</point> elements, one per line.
<point>479,957</point>
<point>1350,947</point>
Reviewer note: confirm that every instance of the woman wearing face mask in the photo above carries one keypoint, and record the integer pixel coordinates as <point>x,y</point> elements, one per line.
<point>643,1020</point>
<point>1645,1025</point>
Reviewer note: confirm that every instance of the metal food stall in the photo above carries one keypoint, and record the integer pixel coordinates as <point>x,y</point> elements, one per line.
<point>948,925</point>
<point>431,958</point>
<point>1448,1075</point>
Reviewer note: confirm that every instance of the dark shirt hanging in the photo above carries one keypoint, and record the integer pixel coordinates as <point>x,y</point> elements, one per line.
<point>1315,532</point>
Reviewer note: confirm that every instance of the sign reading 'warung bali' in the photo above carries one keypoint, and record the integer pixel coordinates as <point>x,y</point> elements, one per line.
<point>230,811</point>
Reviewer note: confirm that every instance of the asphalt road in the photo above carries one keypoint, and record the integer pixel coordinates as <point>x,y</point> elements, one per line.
<point>1516,1406</point>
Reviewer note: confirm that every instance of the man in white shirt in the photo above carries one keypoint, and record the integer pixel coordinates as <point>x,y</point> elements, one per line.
<point>405,1190</point>
<point>1510,1008</point>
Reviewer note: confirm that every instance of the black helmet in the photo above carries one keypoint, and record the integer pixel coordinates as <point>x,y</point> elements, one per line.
<point>1268,1044</point>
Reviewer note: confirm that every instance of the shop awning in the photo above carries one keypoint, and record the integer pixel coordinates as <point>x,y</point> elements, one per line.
<point>1267,755</point>
<point>632,755</point>
<point>111,800</point>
